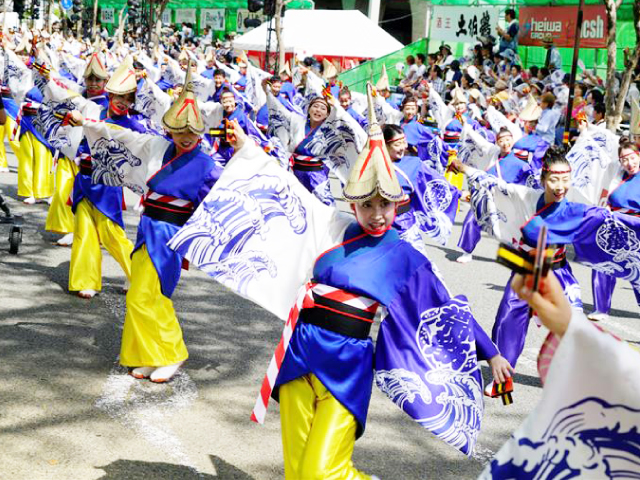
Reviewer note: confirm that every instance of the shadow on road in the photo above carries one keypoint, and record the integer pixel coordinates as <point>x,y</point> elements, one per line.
<point>128,469</point>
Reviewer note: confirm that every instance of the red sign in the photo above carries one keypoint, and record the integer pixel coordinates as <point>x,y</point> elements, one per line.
<point>559,23</point>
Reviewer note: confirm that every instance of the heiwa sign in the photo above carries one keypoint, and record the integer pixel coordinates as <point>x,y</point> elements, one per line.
<point>559,23</point>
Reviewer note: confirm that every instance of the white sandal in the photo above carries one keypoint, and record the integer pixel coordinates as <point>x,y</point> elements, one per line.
<point>65,241</point>
<point>88,294</point>
<point>164,374</point>
<point>141,372</point>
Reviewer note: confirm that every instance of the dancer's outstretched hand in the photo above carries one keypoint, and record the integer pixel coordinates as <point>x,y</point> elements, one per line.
<point>239,136</point>
<point>549,302</point>
<point>500,368</point>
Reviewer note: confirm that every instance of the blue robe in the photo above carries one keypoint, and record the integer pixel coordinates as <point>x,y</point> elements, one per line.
<point>625,198</point>
<point>164,85</point>
<point>362,121</point>
<point>316,181</point>
<point>108,200</point>
<point>262,117</point>
<point>215,97</point>
<point>536,146</point>
<point>26,125</point>
<point>431,197</point>
<point>241,84</point>
<point>10,106</point>
<point>344,364</point>
<point>208,73</point>
<point>512,170</point>
<point>223,150</point>
<point>627,194</point>
<point>189,177</point>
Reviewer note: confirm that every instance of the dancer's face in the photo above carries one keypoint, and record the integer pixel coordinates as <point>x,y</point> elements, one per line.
<point>410,110</point>
<point>318,112</point>
<point>120,104</point>
<point>218,80</point>
<point>505,142</point>
<point>556,183</point>
<point>630,160</point>
<point>375,216</point>
<point>228,101</point>
<point>397,146</point>
<point>185,141</point>
<point>95,85</point>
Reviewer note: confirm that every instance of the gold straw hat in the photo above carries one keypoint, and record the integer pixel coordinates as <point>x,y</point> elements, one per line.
<point>184,114</point>
<point>96,68</point>
<point>373,173</point>
<point>383,81</point>
<point>531,111</point>
<point>123,80</point>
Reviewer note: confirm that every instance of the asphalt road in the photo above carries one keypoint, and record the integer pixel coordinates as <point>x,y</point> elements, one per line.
<point>67,411</point>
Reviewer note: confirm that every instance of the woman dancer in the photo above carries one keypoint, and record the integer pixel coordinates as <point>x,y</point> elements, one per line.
<point>175,176</point>
<point>324,382</point>
<point>520,215</point>
<point>327,139</point>
<point>623,198</point>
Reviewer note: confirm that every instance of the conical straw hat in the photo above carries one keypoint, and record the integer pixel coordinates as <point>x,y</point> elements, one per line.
<point>96,68</point>
<point>458,96</point>
<point>330,70</point>
<point>184,114</point>
<point>373,172</point>
<point>383,81</point>
<point>123,80</point>
<point>531,110</point>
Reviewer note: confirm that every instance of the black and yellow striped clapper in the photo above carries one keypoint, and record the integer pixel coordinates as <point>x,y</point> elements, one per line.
<point>514,259</point>
<point>504,391</point>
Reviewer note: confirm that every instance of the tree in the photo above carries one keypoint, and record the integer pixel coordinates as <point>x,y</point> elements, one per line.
<point>615,104</point>
<point>158,9</point>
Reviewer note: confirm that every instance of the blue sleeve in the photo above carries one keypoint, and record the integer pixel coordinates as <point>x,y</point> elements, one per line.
<point>485,348</point>
<point>513,31</point>
<point>209,181</point>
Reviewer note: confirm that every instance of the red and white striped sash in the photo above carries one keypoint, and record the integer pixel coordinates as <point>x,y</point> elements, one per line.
<point>626,211</point>
<point>304,300</point>
<point>16,127</point>
<point>168,200</point>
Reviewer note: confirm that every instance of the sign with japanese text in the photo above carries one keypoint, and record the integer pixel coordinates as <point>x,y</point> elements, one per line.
<point>107,15</point>
<point>559,23</point>
<point>463,24</point>
<point>186,15</point>
<point>166,17</point>
<point>242,14</point>
<point>214,18</point>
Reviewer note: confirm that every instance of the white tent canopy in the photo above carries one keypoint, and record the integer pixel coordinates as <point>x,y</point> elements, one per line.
<point>340,33</point>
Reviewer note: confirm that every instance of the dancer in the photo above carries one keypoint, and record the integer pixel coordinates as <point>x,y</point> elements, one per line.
<point>531,209</point>
<point>498,161</point>
<point>520,211</point>
<point>60,216</point>
<point>327,139</point>
<point>623,198</point>
<point>324,381</point>
<point>430,202</point>
<point>98,208</point>
<point>175,176</point>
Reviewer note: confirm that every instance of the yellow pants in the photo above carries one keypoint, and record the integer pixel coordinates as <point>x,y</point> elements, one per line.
<point>151,336</point>
<point>35,164</point>
<point>318,433</point>
<point>60,216</point>
<point>6,133</point>
<point>91,229</point>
